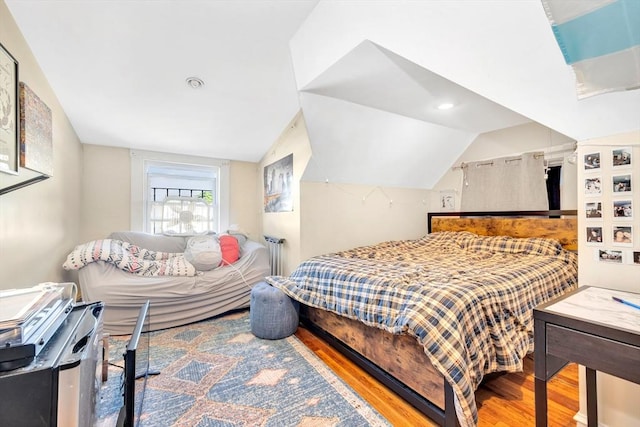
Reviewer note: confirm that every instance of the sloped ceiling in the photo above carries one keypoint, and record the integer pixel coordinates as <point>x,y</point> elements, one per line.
<point>373,118</point>
<point>503,51</point>
<point>364,73</point>
<point>373,76</point>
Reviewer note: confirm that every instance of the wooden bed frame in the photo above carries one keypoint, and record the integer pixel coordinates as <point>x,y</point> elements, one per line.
<point>394,360</point>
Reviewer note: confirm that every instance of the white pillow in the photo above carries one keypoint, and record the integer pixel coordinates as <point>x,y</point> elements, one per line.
<point>203,252</point>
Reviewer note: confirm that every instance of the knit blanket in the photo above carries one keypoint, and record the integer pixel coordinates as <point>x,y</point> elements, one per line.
<point>130,258</point>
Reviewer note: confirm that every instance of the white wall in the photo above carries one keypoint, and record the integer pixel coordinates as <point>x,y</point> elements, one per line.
<point>39,224</point>
<point>617,399</point>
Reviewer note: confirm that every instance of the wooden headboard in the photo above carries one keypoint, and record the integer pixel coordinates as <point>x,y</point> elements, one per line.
<point>559,225</point>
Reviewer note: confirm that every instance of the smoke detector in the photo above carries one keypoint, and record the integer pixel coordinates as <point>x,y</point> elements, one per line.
<point>194,82</point>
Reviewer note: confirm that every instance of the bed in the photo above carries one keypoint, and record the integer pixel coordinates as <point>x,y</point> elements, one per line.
<point>183,295</point>
<point>431,317</point>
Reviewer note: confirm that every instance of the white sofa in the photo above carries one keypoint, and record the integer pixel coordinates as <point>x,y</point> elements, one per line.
<point>174,300</point>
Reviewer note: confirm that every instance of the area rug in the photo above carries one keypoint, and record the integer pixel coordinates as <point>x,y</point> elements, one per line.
<point>217,373</point>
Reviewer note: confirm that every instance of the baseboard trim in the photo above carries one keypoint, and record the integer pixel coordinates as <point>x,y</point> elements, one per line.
<point>581,420</point>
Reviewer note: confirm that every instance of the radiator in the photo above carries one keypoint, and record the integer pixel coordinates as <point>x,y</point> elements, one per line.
<point>275,246</point>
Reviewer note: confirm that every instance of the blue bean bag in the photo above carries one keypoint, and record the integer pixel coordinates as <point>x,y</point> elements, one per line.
<point>273,315</point>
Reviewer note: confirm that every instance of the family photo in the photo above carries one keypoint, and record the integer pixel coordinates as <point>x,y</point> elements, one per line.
<point>622,235</point>
<point>593,209</point>
<point>622,209</point>
<point>592,186</point>
<point>622,157</point>
<point>594,234</point>
<point>592,161</point>
<point>622,183</point>
<point>607,255</point>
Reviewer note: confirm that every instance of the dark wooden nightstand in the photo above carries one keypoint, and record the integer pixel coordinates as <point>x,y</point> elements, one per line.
<point>588,327</point>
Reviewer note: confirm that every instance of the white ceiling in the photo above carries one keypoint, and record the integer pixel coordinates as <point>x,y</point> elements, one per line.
<point>365,73</point>
<point>119,69</point>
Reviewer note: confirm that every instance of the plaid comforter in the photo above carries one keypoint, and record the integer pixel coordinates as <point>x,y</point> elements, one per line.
<point>468,299</point>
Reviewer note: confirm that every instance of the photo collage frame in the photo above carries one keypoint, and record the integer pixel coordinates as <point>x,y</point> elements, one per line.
<point>609,204</point>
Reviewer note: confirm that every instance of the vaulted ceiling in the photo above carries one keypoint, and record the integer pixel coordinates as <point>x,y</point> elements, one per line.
<point>367,75</point>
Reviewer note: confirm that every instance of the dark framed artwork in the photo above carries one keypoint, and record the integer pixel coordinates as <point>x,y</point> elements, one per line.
<point>36,143</point>
<point>9,130</point>
<point>278,178</point>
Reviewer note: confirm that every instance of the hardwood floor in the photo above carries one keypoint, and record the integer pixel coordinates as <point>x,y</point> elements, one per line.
<point>504,401</point>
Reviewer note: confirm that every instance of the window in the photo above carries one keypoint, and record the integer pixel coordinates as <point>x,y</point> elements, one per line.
<point>156,176</point>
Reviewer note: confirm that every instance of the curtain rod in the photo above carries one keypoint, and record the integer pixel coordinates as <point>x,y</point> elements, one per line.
<point>572,146</point>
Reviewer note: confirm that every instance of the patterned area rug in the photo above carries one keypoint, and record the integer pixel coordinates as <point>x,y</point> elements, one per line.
<point>217,373</point>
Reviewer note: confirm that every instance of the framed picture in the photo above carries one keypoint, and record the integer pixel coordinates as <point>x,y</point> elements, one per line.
<point>594,235</point>
<point>593,210</point>
<point>593,186</point>
<point>36,143</point>
<point>447,201</point>
<point>622,183</point>
<point>621,157</point>
<point>591,161</point>
<point>608,255</point>
<point>622,209</point>
<point>9,130</point>
<point>622,235</point>
<point>278,178</point>
<point>636,258</point>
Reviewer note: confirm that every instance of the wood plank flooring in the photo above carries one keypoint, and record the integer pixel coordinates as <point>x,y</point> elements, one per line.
<point>504,401</point>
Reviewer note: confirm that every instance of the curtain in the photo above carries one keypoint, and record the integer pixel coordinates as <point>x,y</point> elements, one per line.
<point>505,184</point>
<point>553,187</point>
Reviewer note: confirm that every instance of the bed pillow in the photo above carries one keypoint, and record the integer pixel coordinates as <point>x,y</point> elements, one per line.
<point>230,249</point>
<point>513,245</point>
<point>240,237</point>
<point>203,252</point>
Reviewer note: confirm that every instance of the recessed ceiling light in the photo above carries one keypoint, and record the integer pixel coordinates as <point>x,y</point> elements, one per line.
<point>194,82</point>
<point>445,106</point>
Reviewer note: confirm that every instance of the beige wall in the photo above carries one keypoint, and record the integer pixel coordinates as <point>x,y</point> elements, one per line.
<point>244,210</point>
<point>342,216</point>
<point>617,399</point>
<point>106,193</point>
<point>512,141</point>
<point>328,217</point>
<point>39,224</point>
<point>294,140</point>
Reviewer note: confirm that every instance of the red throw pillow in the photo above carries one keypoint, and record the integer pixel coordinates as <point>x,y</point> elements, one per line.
<point>230,249</point>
